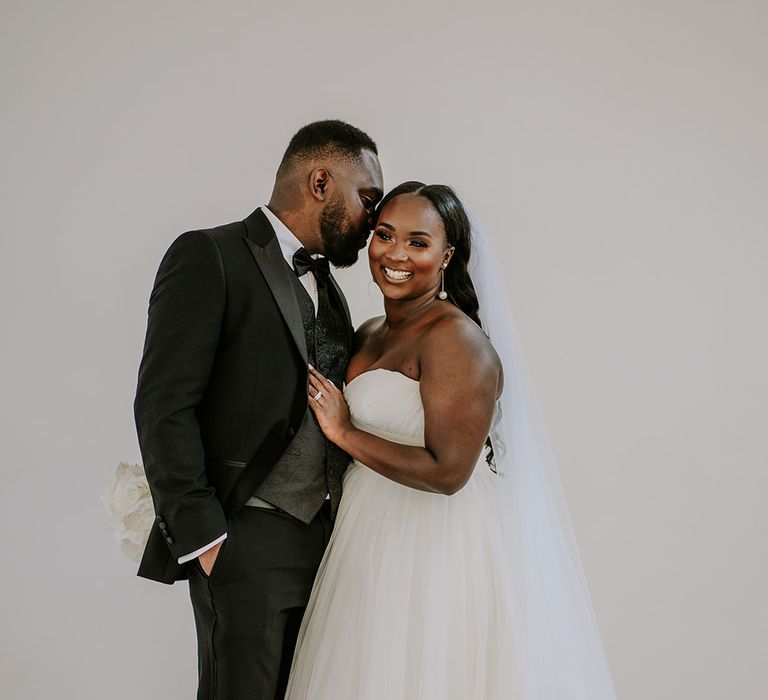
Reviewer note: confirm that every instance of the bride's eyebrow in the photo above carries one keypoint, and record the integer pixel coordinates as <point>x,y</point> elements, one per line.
<point>386,225</point>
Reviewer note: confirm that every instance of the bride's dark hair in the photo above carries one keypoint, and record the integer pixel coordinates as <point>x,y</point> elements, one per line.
<point>458,284</point>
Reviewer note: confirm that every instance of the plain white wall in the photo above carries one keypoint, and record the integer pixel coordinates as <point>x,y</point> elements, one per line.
<point>617,151</point>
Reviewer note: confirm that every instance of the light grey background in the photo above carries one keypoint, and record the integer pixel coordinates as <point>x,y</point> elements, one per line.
<point>617,152</point>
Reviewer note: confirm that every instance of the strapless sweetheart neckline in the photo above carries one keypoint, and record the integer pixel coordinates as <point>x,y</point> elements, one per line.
<point>380,369</point>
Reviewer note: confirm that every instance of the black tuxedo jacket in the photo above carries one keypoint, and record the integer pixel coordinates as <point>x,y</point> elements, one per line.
<point>222,383</point>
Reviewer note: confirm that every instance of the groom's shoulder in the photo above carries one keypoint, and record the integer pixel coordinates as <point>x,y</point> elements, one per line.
<point>231,235</point>
<point>222,233</point>
<point>220,238</point>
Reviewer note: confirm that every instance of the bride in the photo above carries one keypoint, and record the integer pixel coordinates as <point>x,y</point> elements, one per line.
<point>452,573</point>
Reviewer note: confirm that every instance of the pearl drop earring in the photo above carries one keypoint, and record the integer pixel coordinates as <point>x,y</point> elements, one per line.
<point>443,295</point>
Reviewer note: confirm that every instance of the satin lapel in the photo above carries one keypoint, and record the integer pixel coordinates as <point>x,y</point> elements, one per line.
<point>272,265</point>
<point>350,327</point>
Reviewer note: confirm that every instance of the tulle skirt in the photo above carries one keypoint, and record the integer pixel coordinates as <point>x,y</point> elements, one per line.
<point>411,600</point>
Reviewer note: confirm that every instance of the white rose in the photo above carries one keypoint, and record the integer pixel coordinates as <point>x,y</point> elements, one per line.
<point>129,504</point>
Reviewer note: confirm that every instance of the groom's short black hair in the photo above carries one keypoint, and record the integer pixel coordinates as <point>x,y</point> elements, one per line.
<point>328,138</point>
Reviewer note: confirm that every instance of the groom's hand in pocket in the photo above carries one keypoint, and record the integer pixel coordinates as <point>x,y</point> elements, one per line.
<point>208,558</point>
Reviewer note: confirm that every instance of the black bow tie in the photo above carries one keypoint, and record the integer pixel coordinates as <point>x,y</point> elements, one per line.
<point>303,262</point>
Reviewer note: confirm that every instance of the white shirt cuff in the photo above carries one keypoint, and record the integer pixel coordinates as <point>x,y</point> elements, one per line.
<point>198,552</point>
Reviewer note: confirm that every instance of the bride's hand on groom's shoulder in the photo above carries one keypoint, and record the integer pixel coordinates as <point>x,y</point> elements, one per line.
<point>328,403</point>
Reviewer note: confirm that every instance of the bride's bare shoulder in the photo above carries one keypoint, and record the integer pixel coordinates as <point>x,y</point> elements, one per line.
<point>456,339</point>
<point>367,329</point>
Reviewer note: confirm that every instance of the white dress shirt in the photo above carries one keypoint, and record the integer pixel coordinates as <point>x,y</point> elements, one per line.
<point>289,244</point>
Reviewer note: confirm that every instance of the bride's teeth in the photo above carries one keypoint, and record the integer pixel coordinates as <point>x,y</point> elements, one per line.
<point>396,274</point>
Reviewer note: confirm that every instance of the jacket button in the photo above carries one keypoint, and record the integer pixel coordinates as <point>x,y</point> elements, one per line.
<point>162,525</point>
<point>169,540</point>
<point>159,518</point>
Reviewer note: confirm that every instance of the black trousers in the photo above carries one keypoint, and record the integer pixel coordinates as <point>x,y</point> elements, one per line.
<point>248,611</point>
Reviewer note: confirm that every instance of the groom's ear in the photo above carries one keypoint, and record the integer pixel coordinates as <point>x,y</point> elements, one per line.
<point>318,183</point>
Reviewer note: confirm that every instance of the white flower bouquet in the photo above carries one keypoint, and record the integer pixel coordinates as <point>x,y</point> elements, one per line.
<point>129,505</point>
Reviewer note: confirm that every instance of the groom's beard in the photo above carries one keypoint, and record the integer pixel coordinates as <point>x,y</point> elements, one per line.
<point>342,241</point>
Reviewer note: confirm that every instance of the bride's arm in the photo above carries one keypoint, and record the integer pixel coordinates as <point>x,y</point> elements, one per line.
<point>459,384</point>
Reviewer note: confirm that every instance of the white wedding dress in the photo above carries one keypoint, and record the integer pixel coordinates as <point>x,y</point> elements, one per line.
<point>476,596</point>
<point>412,601</point>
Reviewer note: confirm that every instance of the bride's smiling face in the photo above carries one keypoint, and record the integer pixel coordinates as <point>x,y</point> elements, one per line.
<point>408,248</point>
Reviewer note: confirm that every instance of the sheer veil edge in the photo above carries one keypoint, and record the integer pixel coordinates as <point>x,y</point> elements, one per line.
<point>558,646</point>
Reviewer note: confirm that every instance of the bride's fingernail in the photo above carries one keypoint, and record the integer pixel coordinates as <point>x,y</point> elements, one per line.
<point>310,366</point>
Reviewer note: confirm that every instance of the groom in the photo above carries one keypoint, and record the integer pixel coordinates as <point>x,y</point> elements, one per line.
<point>244,484</point>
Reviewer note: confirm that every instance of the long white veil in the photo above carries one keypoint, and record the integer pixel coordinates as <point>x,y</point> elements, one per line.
<point>561,655</point>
